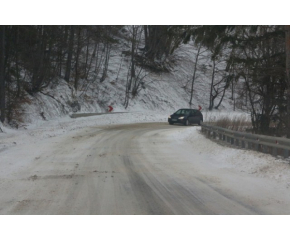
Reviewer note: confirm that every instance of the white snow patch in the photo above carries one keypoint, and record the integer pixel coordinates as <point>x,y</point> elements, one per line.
<point>46,129</point>
<point>246,161</point>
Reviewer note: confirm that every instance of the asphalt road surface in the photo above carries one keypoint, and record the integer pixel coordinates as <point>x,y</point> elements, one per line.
<point>130,169</point>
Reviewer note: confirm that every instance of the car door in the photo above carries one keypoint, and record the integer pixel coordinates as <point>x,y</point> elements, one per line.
<point>195,117</point>
<point>191,116</point>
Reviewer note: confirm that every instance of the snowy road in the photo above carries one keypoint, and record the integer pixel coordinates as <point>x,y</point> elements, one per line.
<point>144,168</point>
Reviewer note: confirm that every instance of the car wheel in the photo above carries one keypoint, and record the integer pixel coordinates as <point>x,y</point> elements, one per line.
<point>200,122</point>
<point>171,123</point>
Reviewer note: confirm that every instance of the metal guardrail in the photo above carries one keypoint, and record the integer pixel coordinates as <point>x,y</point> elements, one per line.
<point>272,145</point>
<point>78,115</point>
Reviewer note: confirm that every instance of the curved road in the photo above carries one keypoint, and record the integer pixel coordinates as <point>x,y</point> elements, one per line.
<point>130,169</point>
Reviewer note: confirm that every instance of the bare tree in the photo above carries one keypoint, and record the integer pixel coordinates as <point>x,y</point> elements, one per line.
<point>136,74</point>
<point>98,57</point>
<point>119,68</point>
<point>212,96</point>
<point>77,57</point>
<point>194,73</point>
<point>70,53</point>
<point>220,81</point>
<point>287,40</point>
<point>2,74</point>
<point>107,49</point>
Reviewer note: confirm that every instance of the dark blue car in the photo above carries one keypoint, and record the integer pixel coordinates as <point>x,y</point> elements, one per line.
<point>186,117</point>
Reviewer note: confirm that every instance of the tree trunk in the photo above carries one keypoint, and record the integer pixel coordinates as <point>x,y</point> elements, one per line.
<point>70,53</point>
<point>87,57</point>
<point>217,106</point>
<point>106,64</point>
<point>146,38</point>
<point>251,101</point>
<point>2,75</point>
<point>193,77</point>
<point>90,64</point>
<point>77,72</point>
<point>63,45</point>
<point>39,62</point>
<point>17,62</point>
<point>287,30</point>
<point>134,35</point>
<point>211,87</point>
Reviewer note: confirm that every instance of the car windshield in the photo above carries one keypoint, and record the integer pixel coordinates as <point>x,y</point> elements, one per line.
<point>183,111</point>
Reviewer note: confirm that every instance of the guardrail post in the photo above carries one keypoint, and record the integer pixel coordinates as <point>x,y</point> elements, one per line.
<point>286,153</point>
<point>237,142</point>
<point>257,145</point>
<point>220,136</point>
<point>266,149</point>
<point>274,151</point>
<point>243,144</point>
<point>263,148</point>
<point>224,137</point>
<point>232,141</point>
<point>208,133</point>
<point>214,135</point>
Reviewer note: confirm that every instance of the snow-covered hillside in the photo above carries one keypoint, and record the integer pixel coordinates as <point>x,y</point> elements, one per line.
<point>162,93</point>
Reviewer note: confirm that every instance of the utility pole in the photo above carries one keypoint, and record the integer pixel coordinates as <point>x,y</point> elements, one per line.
<point>2,75</point>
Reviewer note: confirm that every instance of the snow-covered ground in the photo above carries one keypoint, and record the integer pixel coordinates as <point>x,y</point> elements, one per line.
<point>46,129</point>
<point>246,161</point>
<point>249,162</point>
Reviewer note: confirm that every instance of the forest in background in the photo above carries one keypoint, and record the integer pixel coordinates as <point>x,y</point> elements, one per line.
<point>252,62</point>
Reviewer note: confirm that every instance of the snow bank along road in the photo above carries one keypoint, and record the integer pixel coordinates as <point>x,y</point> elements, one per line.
<point>144,168</point>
